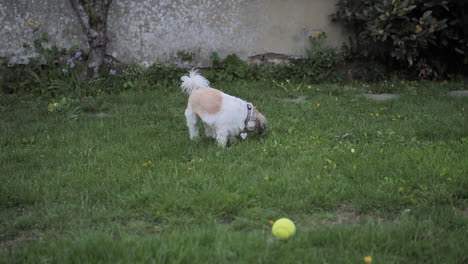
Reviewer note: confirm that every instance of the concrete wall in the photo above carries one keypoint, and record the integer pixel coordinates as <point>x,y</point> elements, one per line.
<point>149,31</point>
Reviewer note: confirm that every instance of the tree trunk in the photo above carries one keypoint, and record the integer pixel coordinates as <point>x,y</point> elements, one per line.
<point>96,56</point>
<point>92,15</point>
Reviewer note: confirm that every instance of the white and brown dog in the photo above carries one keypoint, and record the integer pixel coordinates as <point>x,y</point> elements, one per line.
<point>225,116</point>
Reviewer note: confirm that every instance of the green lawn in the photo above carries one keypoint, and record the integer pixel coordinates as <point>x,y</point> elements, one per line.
<point>115,179</point>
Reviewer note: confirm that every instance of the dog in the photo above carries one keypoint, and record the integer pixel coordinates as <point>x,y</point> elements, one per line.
<point>225,116</point>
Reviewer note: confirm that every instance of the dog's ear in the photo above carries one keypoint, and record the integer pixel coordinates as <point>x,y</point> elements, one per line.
<point>262,124</point>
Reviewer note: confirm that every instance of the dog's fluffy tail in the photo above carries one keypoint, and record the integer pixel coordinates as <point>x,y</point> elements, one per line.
<point>193,81</point>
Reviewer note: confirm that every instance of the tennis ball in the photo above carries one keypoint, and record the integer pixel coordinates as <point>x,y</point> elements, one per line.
<point>283,228</point>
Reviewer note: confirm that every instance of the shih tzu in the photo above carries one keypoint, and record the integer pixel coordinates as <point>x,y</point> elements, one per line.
<point>225,116</point>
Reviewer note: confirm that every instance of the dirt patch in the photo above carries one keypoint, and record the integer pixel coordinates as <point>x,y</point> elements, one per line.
<point>346,216</point>
<point>342,215</point>
<point>19,239</point>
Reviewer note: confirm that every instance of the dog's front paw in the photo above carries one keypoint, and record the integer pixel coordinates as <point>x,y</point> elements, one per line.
<point>195,138</point>
<point>221,141</point>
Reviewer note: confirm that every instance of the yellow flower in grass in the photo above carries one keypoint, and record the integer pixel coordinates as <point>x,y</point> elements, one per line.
<point>393,119</point>
<point>28,22</point>
<point>398,116</point>
<point>309,86</point>
<point>318,33</point>
<point>272,222</point>
<point>36,22</point>
<point>418,28</point>
<point>317,105</point>
<point>368,259</point>
<point>145,164</point>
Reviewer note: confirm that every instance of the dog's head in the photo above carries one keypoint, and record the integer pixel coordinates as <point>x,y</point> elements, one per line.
<point>259,123</point>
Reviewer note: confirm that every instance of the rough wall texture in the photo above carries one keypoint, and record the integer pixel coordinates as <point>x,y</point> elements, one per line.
<point>149,31</point>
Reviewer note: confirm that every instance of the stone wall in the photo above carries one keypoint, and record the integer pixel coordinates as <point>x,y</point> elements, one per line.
<point>149,31</point>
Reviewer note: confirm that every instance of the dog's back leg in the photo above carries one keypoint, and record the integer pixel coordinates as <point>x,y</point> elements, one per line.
<point>192,123</point>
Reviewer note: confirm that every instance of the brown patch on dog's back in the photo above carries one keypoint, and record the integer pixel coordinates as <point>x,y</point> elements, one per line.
<point>206,101</point>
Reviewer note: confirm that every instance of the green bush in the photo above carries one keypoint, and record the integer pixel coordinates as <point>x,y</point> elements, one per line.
<point>426,37</point>
<point>163,76</point>
<point>58,72</point>
<point>229,68</point>
<point>319,65</point>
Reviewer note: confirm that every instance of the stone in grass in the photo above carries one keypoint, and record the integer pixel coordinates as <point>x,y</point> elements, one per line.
<point>380,97</point>
<point>458,93</point>
<point>102,115</point>
<point>298,100</point>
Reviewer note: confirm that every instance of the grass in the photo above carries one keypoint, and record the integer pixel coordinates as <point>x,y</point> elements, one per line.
<point>358,177</point>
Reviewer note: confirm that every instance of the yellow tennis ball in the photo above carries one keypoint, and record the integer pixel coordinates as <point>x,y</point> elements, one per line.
<point>283,228</point>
